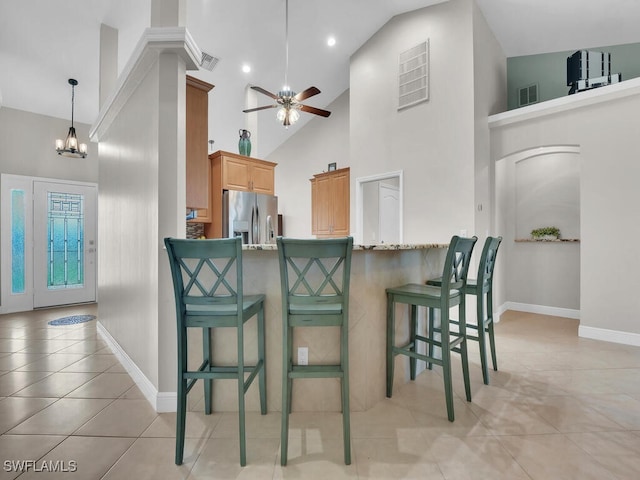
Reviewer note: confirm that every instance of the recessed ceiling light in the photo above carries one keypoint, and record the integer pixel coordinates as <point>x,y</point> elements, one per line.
<point>246,68</point>
<point>331,41</point>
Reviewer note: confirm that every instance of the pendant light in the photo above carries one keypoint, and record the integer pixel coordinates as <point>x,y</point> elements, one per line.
<point>70,146</point>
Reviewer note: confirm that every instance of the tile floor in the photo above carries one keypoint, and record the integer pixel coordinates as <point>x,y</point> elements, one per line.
<point>560,407</point>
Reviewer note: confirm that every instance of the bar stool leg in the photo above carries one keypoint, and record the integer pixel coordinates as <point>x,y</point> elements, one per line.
<point>241,412</point>
<point>391,335</point>
<point>181,408</point>
<point>463,350</point>
<point>492,339</point>
<point>430,333</point>
<point>181,420</point>
<point>482,340</point>
<point>208,382</point>
<point>446,375</point>
<point>412,338</point>
<point>286,394</point>
<point>346,423</point>
<point>262,376</point>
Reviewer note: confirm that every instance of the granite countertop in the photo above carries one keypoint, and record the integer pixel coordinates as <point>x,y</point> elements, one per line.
<point>376,247</point>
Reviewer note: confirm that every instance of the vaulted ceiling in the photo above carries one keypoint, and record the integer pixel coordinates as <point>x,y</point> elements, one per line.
<point>45,42</point>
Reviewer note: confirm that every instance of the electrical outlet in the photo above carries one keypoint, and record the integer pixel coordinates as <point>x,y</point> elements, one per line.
<point>303,355</point>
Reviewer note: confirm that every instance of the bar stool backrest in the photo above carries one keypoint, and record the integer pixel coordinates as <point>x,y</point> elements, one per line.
<point>206,274</point>
<point>457,261</point>
<point>487,263</point>
<point>315,272</point>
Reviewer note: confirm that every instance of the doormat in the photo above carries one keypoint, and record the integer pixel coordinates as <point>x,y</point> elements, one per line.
<point>72,320</point>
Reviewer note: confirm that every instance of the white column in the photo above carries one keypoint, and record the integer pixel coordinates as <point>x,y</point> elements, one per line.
<point>168,13</point>
<point>108,61</point>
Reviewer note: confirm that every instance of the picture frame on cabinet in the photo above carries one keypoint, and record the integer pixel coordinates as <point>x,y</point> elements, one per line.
<point>332,166</point>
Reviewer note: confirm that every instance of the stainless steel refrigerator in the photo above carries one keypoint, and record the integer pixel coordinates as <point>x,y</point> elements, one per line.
<point>252,216</point>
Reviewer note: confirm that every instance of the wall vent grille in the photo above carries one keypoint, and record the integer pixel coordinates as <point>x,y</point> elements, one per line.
<point>528,95</point>
<point>208,62</point>
<point>413,75</point>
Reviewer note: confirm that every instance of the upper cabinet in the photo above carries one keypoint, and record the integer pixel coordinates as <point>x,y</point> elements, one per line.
<point>246,174</point>
<point>197,132</point>
<point>330,203</point>
<point>230,171</point>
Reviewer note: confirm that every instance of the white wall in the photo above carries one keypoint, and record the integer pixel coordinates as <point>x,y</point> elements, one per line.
<point>433,142</point>
<point>320,142</point>
<point>442,145</point>
<point>142,198</point>
<point>607,133</point>
<point>128,205</point>
<point>27,147</point>
<point>490,90</point>
<point>27,143</point>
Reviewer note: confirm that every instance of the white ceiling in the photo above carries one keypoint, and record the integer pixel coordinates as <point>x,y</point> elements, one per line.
<point>45,42</point>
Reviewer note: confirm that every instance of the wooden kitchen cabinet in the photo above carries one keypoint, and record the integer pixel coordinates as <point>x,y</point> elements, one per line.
<point>245,174</point>
<point>330,203</point>
<point>230,171</point>
<point>197,163</point>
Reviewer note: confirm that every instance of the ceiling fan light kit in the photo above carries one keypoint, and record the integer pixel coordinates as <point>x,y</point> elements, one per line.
<point>70,147</point>
<point>288,101</point>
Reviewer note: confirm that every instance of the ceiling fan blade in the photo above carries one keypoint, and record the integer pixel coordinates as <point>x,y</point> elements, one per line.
<point>265,92</point>
<point>259,108</point>
<point>315,111</point>
<point>309,92</point>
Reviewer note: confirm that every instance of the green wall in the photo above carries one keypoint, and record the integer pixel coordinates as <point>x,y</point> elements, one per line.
<point>549,71</point>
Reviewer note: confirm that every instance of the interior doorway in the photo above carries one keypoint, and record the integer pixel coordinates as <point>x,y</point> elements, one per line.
<point>388,208</point>
<point>379,208</point>
<point>48,243</point>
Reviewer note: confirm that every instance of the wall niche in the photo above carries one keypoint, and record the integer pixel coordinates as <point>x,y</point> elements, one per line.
<point>548,194</point>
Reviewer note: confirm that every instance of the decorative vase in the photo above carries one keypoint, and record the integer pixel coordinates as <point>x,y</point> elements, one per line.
<point>244,144</point>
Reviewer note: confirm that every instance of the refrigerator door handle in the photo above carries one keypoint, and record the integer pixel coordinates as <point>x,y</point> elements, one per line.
<point>270,232</point>
<point>255,225</point>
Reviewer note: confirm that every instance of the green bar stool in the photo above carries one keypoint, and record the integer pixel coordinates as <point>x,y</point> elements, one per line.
<point>207,281</point>
<point>448,295</point>
<point>315,275</point>
<point>482,288</point>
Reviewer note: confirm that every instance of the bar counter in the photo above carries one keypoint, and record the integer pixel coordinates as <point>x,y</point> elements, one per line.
<point>373,269</point>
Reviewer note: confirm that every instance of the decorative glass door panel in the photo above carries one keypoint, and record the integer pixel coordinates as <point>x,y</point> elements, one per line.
<point>64,243</point>
<point>65,238</point>
<point>18,241</point>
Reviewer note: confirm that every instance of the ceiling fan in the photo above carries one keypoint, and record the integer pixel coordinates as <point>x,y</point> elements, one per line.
<point>287,100</point>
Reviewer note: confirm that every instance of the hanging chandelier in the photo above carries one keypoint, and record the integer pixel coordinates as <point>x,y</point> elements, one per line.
<point>70,147</point>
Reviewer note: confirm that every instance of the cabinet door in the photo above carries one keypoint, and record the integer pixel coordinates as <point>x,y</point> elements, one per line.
<point>197,163</point>
<point>323,214</point>
<point>236,174</point>
<point>340,204</point>
<point>314,207</point>
<point>262,179</point>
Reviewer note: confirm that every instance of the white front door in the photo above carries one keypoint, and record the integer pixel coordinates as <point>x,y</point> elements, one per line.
<point>64,247</point>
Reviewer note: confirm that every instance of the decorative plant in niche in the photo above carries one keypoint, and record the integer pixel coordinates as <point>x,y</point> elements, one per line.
<point>545,233</point>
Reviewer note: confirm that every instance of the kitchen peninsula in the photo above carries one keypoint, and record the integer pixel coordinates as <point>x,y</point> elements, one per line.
<point>373,269</point>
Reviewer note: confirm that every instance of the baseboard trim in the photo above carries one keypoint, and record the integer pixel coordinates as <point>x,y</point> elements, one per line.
<point>606,335</point>
<point>160,401</point>
<point>540,309</point>
<point>594,333</point>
